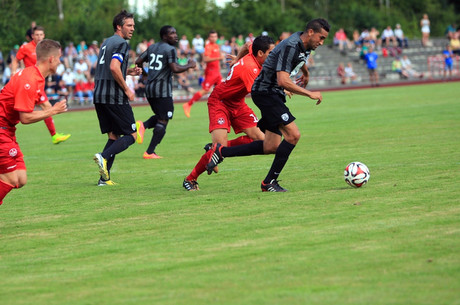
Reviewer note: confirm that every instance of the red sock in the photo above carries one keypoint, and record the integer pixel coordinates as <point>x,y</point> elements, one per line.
<point>50,124</point>
<point>200,167</point>
<point>5,188</point>
<point>239,141</point>
<point>195,98</point>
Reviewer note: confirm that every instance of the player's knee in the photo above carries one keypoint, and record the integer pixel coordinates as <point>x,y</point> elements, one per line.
<point>293,138</point>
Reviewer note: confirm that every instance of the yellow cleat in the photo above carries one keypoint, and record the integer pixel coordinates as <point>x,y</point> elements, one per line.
<point>59,137</point>
<point>106,182</point>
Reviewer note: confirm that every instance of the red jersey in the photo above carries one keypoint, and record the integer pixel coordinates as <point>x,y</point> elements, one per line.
<point>239,81</point>
<point>212,50</point>
<point>25,89</point>
<point>27,53</point>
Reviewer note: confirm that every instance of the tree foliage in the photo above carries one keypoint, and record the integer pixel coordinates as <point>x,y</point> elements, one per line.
<point>92,19</point>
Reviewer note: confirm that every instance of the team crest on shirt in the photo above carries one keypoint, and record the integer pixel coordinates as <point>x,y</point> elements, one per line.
<point>220,121</point>
<point>133,127</point>
<point>13,152</point>
<point>42,98</point>
<point>27,86</point>
<point>256,71</point>
<point>285,117</point>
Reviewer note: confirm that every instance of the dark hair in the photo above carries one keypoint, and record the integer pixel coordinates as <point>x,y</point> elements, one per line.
<point>261,43</point>
<point>212,32</point>
<point>120,19</point>
<point>46,47</point>
<point>38,28</point>
<point>317,24</point>
<point>164,30</point>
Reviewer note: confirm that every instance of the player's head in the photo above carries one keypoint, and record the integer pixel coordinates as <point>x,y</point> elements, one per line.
<point>38,33</point>
<point>212,36</point>
<point>123,24</point>
<point>49,53</point>
<point>261,47</point>
<point>317,31</point>
<point>169,34</point>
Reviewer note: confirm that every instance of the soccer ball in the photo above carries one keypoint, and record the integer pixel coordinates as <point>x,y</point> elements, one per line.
<point>356,174</point>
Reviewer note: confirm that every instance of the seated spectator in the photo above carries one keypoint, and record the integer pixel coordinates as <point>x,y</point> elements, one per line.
<point>340,39</point>
<point>70,54</point>
<point>356,40</point>
<point>82,47</point>
<point>69,78</point>
<point>250,38</point>
<point>408,69</point>
<point>374,39</point>
<point>226,48</point>
<point>451,30</point>
<point>364,37</point>
<point>399,34</point>
<point>51,88</point>
<point>84,91</point>
<point>341,73</point>
<point>455,43</point>
<point>388,36</point>
<point>396,67</point>
<point>350,74</point>
<point>81,67</point>
<point>184,45</point>
<point>198,47</point>
<point>62,90</point>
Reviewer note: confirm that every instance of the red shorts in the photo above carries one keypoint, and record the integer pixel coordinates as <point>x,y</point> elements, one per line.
<point>11,157</point>
<point>210,80</point>
<point>221,116</point>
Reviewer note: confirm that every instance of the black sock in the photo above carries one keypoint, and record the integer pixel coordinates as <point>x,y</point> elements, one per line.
<point>151,122</point>
<point>253,148</point>
<point>110,160</point>
<point>158,134</point>
<point>281,156</point>
<point>118,146</point>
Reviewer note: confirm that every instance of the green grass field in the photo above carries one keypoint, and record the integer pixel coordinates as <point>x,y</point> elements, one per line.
<point>63,240</point>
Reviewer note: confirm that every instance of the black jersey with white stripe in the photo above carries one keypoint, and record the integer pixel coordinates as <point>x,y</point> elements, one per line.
<point>289,56</point>
<point>106,89</point>
<point>160,81</point>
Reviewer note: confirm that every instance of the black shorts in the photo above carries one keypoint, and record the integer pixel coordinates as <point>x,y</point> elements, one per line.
<point>273,110</point>
<point>118,119</point>
<point>163,107</point>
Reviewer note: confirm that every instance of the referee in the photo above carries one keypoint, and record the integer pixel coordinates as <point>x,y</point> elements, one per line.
<point>269,95</point>
<point>112,95</point>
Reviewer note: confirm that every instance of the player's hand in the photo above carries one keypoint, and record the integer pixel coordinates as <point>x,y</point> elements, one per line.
<point>130,95</point>
<point>60,106</point>
<point>230,59</point>
<point>135,71</point>
<point>302,81</point>
<point>288,93</point>
<point>316,95</point>
<point>192,63</point>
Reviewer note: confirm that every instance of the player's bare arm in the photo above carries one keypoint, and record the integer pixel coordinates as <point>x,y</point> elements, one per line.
<point>115,69</point>
<point>176,68</point>
<point>48,110</point>
<point>232,59</point>
<point>285,82</point>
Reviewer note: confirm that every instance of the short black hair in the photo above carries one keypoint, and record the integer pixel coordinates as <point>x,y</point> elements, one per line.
<point>317,24</point>
<point>261,43</point>
<point>164,30</point>
<point>119,19</point>
<point>212,32</point>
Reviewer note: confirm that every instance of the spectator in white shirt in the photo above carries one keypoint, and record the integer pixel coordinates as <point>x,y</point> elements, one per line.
<point>388,36</point>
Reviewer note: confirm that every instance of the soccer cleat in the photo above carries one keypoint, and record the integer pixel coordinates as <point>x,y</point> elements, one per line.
<point>190,185</point>
<point>215,158</point>
<point>59,137</point>
<point>106,182</point>
<point>102,164</point>
<point>151,156</point>
<point>273,186</point>
<point>207,148</point>
<point>140,132</point>
<point>187,109</point>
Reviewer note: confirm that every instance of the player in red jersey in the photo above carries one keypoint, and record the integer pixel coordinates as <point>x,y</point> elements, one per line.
<point>212,77</point>
<point>27,54</point>
<point>17,102</point>
<point>227,108</point>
